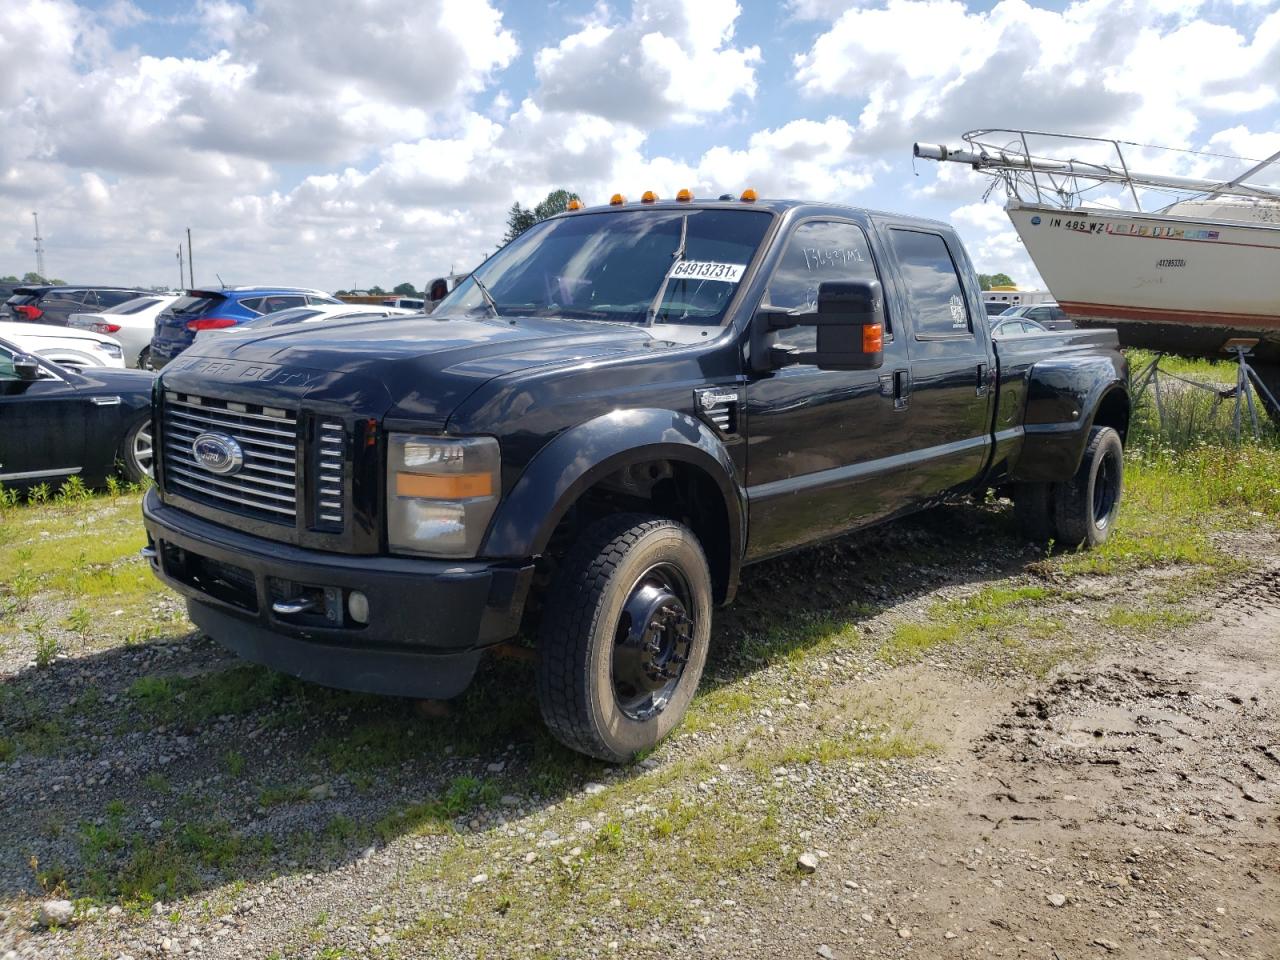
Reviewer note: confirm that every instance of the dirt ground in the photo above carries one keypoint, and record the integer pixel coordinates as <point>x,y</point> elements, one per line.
<point>1123,801</point>
<point>1130,808</point>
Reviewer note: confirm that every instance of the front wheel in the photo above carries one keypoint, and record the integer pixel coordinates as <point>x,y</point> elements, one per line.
<point>1085,507</point>
<point>624,636</point>
<point>137,453</point>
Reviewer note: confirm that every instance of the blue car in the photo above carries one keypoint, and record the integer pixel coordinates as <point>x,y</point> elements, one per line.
<point>178,324</point>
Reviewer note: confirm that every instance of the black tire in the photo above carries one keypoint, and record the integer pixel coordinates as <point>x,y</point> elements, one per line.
<point>1033,510</point>
<point>144,359</point>
<point>587,648</point>
<point>1085,506</point>
<point>133,464</point>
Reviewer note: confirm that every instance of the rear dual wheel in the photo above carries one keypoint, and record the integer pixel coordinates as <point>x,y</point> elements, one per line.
<point>624,637</point>
<point>1079,512</point>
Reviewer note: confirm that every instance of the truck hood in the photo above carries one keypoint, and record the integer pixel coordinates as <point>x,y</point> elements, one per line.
<point>416,368</point>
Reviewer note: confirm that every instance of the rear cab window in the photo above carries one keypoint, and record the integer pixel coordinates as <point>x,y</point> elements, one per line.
<point>936,297</point>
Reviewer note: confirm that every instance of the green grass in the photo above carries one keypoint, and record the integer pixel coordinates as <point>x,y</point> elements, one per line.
<point>1000,612</point>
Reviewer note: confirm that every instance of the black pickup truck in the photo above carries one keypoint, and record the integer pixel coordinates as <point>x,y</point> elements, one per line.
<point>590,436</point>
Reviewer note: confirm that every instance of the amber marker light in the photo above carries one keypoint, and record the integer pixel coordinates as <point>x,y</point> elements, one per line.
<point>452,486</point>
<point>617,200</point>
<point>648,197</point>
<point>748,195</point>
<point>574,204</point>
<point>872,338</point>
<point>685,195</point>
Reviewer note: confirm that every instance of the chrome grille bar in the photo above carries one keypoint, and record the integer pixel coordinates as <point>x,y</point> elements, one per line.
<point>330,441</point>
<point>266,483</point>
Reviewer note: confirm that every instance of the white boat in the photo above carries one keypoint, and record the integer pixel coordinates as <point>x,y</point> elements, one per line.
<point>1188,278</point>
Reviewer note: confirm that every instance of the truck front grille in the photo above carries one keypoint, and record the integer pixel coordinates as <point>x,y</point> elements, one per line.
<point>265,485</point>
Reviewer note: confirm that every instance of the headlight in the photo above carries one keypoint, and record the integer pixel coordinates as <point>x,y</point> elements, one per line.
<point>111,349</point>
<point>441,493</point>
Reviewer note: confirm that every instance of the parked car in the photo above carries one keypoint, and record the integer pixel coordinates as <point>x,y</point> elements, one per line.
<point>52,305</point>
<point>66,346</point>
<point>177,324</point>
<point>59,423</point>
<point>1049,315</point>
<point>411,303</point>
<point>6,291</point>
<point>132,323</point>
<point>591,436</point>
<point>320,313</point>
<point>1014,327</point>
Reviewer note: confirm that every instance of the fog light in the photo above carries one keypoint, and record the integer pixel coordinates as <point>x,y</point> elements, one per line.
<point>358,606</point>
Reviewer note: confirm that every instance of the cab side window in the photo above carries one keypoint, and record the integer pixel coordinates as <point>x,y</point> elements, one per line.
<point>938,304</point>
<point>818,251</point>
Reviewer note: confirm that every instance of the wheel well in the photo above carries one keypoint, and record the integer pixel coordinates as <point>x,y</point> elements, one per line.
<point>667,488</point>
<point>1113,412</point>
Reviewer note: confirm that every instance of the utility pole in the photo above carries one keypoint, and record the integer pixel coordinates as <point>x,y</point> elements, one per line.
<point>182,277</point>
<point>39,247</point>
<point>191,263</point>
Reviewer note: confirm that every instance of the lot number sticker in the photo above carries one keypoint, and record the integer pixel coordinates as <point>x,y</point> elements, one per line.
<point>707,270</point>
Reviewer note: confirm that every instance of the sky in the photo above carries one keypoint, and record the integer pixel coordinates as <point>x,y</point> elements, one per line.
<point>342,144</point>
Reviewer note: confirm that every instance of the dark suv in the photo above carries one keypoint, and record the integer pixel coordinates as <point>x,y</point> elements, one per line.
<point>178,324</point>
<point>53,305</point>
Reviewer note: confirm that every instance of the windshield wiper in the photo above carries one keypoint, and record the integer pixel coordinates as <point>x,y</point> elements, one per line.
<point>677,255</point>
<point>484,292</point>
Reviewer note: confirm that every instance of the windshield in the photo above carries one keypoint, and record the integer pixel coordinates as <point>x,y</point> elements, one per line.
<point>612,265</point>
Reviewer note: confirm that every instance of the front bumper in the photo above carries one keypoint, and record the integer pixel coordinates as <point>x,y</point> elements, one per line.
<point>428,620</point>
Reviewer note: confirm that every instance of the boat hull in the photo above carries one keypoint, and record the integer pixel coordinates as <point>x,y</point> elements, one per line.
<point>1167,283</point>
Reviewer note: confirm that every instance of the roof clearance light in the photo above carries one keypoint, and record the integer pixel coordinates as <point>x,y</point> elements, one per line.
<point>617,200</point>
<point>574,204</point>
<point>749,195</point>
<point>685,195</point>
<point>648,197</point>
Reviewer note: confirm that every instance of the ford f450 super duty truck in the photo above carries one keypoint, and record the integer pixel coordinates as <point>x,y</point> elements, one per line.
<point>589,437</point>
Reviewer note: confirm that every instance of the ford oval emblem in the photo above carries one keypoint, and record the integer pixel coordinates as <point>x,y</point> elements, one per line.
<point>218,453</point>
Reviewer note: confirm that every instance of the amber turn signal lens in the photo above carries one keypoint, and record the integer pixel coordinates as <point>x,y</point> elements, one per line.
<point>453,486</point>
<point>617,200</point>
<point>872,338</point>
<point>648,197</point>
<point>574,204</point>
<point>748,195</point>
<point>685,195</point>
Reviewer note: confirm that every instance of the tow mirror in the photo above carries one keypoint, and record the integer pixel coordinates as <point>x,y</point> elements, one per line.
<point>850,327</point>
<point>437,289</point>
<point>26,367</point>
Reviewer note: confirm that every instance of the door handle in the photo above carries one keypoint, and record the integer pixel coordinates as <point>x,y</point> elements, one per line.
<point>982,380</point>
<point>901,389</point>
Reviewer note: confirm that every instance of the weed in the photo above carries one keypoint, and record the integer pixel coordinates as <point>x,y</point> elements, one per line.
<point>78,620</point>
<point>233,762</point>
<point>73,490</point>
<point>46,646</point>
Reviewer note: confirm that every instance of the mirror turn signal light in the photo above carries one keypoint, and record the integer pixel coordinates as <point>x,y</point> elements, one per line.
<point>617,200</point>
<point>574,204</point>
<point>872,338</point>
<point>748,195</point>
<point>648,197</point>
<point>685,195</point>
<point>447,486</point>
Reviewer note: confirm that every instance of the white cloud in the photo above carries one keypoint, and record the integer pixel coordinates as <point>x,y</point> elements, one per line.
<point>673,60</point>
<point>928,69</point>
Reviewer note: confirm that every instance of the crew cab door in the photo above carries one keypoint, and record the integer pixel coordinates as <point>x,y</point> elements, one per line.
<point>951,361</point>
<point>822,445</point>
